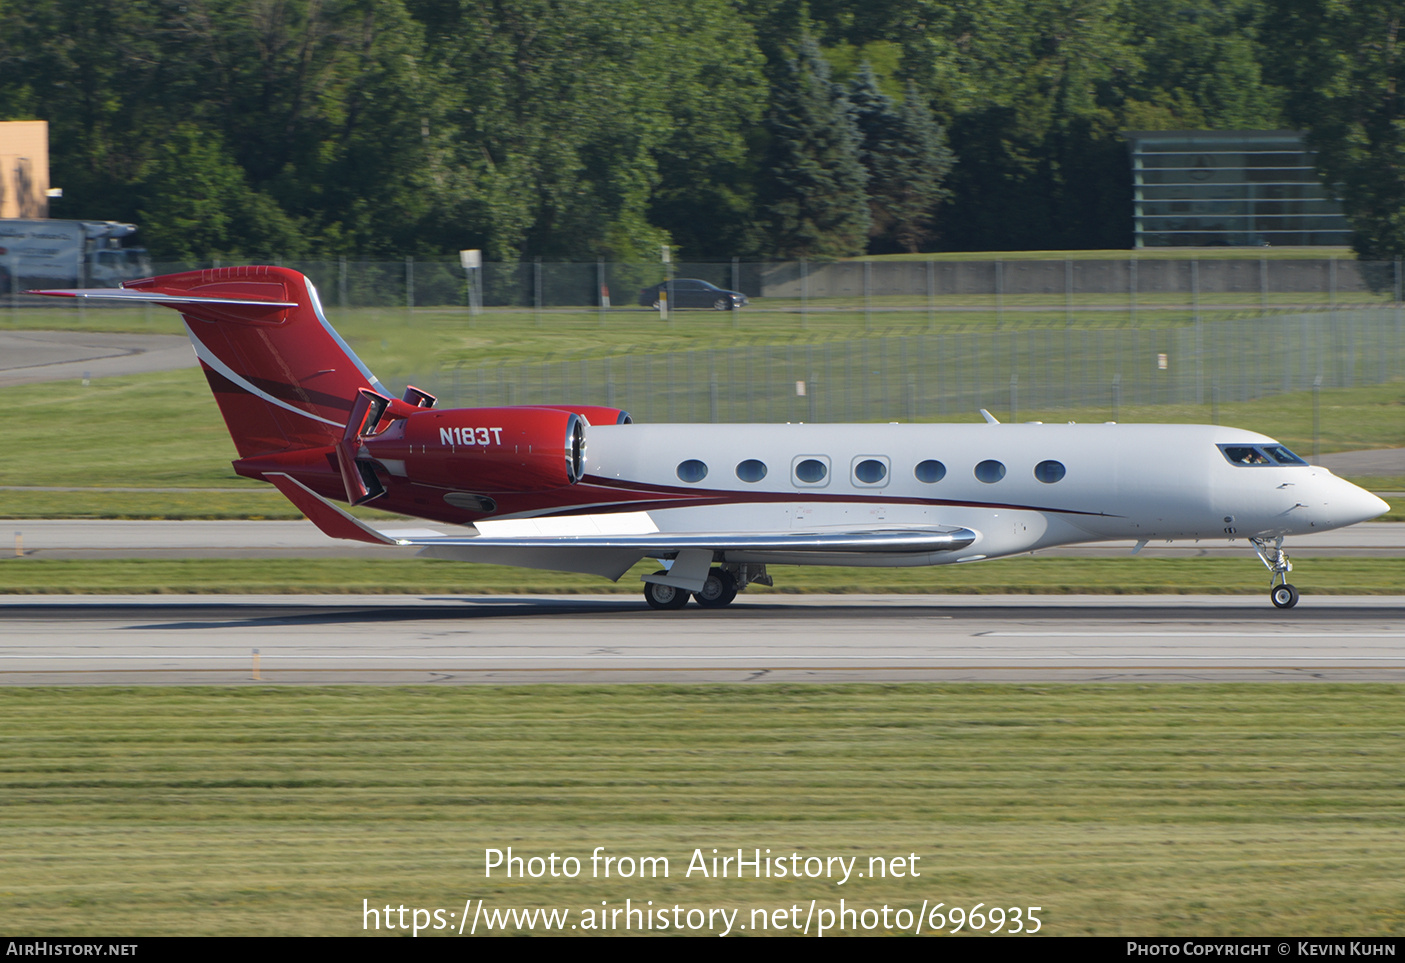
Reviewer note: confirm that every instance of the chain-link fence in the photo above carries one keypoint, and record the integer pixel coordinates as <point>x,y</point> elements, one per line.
<point>930,376</point>
<point>1071,284</point>
<point>1134,331</point>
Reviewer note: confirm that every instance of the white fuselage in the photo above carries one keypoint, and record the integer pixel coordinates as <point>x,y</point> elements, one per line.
<point>1112,482</point>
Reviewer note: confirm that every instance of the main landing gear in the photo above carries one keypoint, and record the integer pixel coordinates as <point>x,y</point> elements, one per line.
<point>722,585</point>
<point>1275,559</point>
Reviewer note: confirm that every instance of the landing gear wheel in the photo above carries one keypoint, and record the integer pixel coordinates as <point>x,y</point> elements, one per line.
<point>664,597</point>
<point>719,590</point>
<point>1284,596</point>
<point>1275,559</point>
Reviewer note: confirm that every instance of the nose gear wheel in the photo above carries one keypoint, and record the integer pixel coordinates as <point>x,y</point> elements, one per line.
<point>1284,596</point>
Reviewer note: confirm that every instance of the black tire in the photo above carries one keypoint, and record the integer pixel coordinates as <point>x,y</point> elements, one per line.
<point>656,304</point>
<point>719,590</point>
<point>1284,596</point>
<point>665,597</point>
<point>722,304</point>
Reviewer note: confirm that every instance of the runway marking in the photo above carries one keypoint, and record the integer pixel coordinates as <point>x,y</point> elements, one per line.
<point>747,668</point>
<point>243,659</point>
<point>1344,634</point>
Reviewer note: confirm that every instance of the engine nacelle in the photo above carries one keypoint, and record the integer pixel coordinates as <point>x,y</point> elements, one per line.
<point>598,414</point>
<point>484,449</point>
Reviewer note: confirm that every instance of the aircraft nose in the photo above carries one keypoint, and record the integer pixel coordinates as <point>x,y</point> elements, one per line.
<point>1352,504</point>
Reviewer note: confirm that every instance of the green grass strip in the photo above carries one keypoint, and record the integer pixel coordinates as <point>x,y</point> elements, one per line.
<point>1038,575</point>
<point>1128,809</point>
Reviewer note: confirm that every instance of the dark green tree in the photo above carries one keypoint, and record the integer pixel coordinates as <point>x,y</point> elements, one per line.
<point>1200,67</point>
<point>1029,91</point>
<point>904,150</point>
<point>1343,66</point>
<point>814,197</point>
<point>197,204</point>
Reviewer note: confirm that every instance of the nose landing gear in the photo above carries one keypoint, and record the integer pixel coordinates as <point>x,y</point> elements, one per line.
<point>1284,596</point>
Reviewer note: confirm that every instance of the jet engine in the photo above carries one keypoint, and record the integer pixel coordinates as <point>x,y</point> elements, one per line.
<point>492,450</point>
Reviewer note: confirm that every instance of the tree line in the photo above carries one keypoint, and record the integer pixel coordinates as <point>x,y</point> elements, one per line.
<point>575,130</point>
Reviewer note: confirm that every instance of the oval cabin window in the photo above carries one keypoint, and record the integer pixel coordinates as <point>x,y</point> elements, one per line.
<point>751,470</point>
<point>692,470</point>
<point>930,471</point>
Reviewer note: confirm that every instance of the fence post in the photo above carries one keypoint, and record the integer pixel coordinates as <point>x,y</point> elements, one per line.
<point>1316,420</point>
<point>537,286</point>
<point>1116,394</point>
<point>712,398</point>
<point>600,287</point>
<point>409,283</point>
<point>1014,398</point>
<point>867,295</point>
<point>932,295</point>
<point>341,283</point>
<point>1068,291</point>
<point>1263,283</point>
<point>1398,313</point>
<point>804,294</point>
<point>1132,288</point>
<point>999,291</point>
<point>1199,331</point>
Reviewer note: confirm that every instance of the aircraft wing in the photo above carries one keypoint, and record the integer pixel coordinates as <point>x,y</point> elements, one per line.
<point>612,553</point>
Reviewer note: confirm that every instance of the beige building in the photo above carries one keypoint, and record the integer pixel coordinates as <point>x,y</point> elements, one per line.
<point>24,169</point>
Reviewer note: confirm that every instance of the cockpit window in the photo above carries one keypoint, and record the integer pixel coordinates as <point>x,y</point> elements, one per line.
<point>1282,455</point>
<point>1260,455</point>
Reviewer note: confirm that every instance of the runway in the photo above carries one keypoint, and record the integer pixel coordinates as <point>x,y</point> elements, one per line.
<point>264,640</point>
<point>35,357</point>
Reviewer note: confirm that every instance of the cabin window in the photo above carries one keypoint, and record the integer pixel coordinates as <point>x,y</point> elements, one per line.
<point>751,470</point>
<point>692,470</point>
<point>930,471</point>
<point>811,470</point>
<point>870,471</point>
<point>990,471</point>
<point>1050,471</point>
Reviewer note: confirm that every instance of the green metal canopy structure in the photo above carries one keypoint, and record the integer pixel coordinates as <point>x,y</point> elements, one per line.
<point>1201,188</point>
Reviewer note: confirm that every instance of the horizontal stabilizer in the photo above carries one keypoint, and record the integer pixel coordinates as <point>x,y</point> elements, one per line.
<point>155,297</point>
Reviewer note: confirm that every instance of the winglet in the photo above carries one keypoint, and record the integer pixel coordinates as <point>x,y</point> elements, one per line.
<point>989,418</point>
<point>322,513</point>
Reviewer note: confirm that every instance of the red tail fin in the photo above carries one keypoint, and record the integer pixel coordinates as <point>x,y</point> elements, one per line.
<point>283,378</point>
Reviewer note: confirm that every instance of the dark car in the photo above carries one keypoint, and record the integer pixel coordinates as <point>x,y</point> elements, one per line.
<point>692,293</point>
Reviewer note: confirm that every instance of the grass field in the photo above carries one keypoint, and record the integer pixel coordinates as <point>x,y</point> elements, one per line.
<point>163,430</point>
<point>1195,810</point>
<point>398,575</point>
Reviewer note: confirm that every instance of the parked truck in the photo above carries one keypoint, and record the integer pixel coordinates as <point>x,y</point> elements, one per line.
<point>53,253</point>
